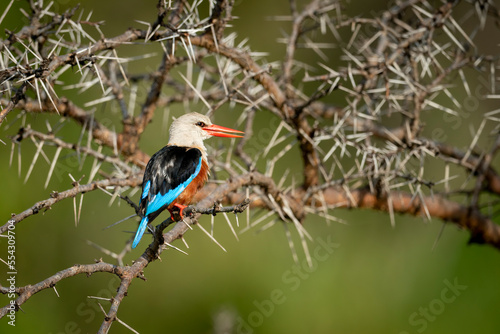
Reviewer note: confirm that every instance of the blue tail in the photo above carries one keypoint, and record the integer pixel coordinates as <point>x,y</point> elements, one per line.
<point>140,231</point>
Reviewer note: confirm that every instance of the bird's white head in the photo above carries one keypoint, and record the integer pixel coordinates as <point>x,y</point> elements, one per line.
<point>192,129</point>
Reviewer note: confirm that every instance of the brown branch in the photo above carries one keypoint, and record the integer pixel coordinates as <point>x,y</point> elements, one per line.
<point>55,197</point>
<point>397,136</point>
<point>297,30</point>
<point>217,19</point>
<point>28,132</point>
<point>149,107</point>
<point>28,291</point>
<point>481,227</point>
<point>85,54</point>
<point>100,133</point>
<point>35,29</point>
<point>10,105</point>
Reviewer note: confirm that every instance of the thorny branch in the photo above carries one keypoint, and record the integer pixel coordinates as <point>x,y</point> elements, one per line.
<point>125,273</point>
<point>370,128</point>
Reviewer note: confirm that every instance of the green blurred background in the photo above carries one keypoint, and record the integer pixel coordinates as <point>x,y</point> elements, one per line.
<point>370,278</point>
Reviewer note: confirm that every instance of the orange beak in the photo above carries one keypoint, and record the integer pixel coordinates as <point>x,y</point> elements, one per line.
<point>220,131</point>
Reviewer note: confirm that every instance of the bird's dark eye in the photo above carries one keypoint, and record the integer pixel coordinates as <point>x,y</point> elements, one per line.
<point>201,124</point>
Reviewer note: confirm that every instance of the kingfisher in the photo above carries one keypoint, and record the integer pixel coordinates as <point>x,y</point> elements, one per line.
<point>175,173</point>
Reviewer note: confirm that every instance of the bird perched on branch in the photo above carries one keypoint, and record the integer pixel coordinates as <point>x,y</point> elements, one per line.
<point>175,173</point>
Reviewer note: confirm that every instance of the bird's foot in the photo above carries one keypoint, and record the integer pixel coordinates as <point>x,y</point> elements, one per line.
<point>180,212</point>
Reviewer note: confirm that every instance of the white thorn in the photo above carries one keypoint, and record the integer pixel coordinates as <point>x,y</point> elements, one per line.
<point>177,249</point>
<point>52,166</point>
<point>213,239</point>
<point>230,226</point>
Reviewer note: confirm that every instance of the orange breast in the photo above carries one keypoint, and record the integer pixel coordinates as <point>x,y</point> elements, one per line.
<point>187,195</point>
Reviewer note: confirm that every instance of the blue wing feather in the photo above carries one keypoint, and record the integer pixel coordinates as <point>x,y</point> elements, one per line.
<point>140,231</point>
<point>145,192</point>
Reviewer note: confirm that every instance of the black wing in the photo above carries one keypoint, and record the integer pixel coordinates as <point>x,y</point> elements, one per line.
<point>167,174</point>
